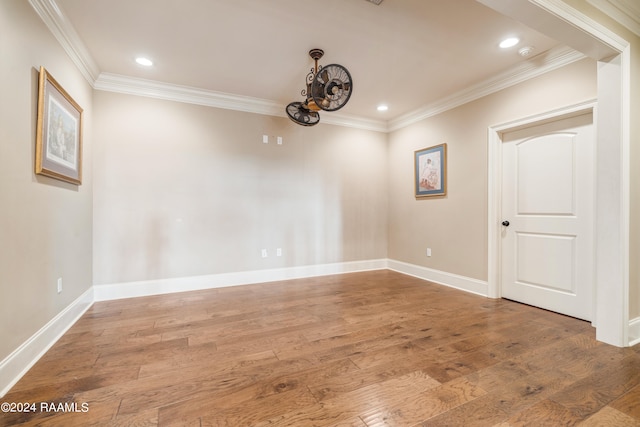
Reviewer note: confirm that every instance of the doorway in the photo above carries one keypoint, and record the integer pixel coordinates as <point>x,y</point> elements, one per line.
<point>569,25</point>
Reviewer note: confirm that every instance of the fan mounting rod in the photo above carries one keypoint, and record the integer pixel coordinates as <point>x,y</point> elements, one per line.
<point>316,54</point>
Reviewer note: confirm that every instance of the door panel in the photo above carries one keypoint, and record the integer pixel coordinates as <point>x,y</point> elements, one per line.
<point>548,199</point>
<point>555,252</point>
<point>546,184</point>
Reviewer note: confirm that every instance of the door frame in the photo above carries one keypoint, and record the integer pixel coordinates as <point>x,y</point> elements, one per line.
<point>566,24</point>
<point>495,143</point>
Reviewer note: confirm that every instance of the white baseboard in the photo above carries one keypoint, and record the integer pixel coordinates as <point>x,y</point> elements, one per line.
<point>475,286</point>
<point>195,283</point>
<point>634,331</point>
<point>15,365</point>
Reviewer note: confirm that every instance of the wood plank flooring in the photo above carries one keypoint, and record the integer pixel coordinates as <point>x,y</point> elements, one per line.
<point>362,349</point>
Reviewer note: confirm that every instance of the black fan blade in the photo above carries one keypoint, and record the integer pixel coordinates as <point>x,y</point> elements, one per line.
<point>302,115</point>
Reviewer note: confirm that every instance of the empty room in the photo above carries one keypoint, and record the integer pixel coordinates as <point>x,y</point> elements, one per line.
<point>320,213</point>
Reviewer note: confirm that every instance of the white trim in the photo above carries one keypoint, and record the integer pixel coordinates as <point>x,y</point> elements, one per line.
<point>15,365</point>
<point>584,23</point>
<point>625,57</point>
<point>353,122</point>
<point>634,331</point>
<point>567,111</point>
<point>187,94</point>
<point>193,95</point>
<point>494,204</point>
<point>541,64</point>
<point>463,283</point>
<point>183,284</point>
<point>613,219</point>
<point>623,11</point>
<point>67,36</point>
<point>494,185</point>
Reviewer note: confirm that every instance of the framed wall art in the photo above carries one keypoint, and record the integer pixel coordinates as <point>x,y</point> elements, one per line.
<point>58,132</point>
<point>431,171</point>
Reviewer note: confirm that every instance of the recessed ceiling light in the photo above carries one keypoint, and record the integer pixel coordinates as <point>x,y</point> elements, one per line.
<point>144,61</point>
<point>510,42</point>
<point>382,108</point>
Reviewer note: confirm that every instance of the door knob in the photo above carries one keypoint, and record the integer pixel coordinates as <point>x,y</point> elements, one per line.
<point>505,223</point>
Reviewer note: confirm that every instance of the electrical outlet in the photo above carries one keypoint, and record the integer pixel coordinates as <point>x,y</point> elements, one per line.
<point>279,140</point>
<point>264,253</point>
<point>265,139</point>
<point>59,284</point>
<point>428,251</point>
<point>279,252</point>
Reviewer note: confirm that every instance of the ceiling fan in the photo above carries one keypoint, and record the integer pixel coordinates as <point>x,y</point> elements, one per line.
<point>328,88</point>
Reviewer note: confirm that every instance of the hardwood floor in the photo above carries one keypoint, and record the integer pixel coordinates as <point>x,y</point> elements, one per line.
<point>363,349</point>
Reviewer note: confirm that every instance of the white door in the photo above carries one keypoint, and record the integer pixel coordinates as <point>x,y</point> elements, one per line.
<point>547,248</point>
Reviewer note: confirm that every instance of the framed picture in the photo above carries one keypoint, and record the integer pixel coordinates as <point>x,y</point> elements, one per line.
<point>431,171</point>
<point>58,132</point>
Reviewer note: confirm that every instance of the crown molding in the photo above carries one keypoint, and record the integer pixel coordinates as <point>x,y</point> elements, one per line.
<point>626,12</point>
<point>354,122</point>
<point>536,66</point>
<point>192,95</point>
<point>66,35</point>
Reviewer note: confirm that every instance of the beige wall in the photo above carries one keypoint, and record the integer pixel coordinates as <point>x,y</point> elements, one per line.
<point>184,190</point>
<point>455,227</point>
<point>46,225</point>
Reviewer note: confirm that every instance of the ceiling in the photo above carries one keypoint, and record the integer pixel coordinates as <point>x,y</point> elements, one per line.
<point>407,54</point>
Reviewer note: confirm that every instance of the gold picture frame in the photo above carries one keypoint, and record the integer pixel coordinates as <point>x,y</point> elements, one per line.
<point>430,171</point>
<point>58,132</point>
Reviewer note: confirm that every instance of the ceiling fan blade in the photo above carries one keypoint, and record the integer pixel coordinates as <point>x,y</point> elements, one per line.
<point>331,87</point>
<point>302,115</point>
<point>324,74</point>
